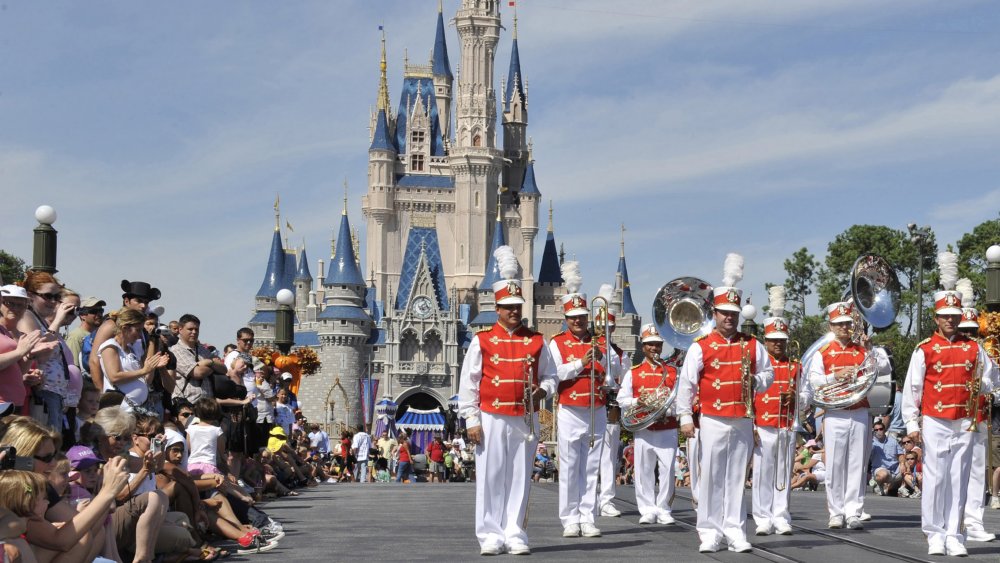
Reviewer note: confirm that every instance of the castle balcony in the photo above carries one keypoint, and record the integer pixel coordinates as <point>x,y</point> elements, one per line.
<point>411,373</point>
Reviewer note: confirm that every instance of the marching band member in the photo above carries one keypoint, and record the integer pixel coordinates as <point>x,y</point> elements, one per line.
<point>975,530</point>
<point>938,380</point>
<point>713,369</point>
<point>656,444</point>
<point>492,401</point>
<point>845,431</point>
<point>773,412</point>
<point>612,434</point>
<point>579,460</point>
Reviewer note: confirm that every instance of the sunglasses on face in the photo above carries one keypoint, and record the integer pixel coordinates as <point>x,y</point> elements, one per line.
<point>246,340</point>
<point>81,312</point>
<point>15,303</point>
<point>907,442</point>
<point>183,414</point>
<point>45,458</point>
<point>54,297</point>
<point>116,437</point>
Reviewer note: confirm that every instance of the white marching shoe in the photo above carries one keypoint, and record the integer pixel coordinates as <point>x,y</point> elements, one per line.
<point>740,546</point>
<point>783,529</point>
<point>836,522</point>
<point>955,548</point>
<point>979,535</point>
<point>648,519</point>
<point>571,531</point>
<point>764,530</point>
<point>709,546</point>
<point>589,530</point>
<point>610,511</point>
<point>665,519</point>
<point>491,549</point>
<point>518,548</point>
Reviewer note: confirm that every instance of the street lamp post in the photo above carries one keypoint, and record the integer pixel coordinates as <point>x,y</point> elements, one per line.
<point>919,236</point>
<point>44,259</point>
<point>749,313</point>
<point>993,279</point>
<point>284,335</point>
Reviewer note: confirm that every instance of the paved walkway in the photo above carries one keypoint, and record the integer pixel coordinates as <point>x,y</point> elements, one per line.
<point>424,522</point>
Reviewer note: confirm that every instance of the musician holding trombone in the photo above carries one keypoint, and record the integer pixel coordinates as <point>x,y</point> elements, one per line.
<point>775,411</point>
<point>947,375</point>
<point>723,369</point>
<point>584,371</point>
<point>504,366</point>
<point>655,444</point>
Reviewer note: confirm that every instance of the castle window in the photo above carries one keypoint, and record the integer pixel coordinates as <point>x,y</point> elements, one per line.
<point>417,137</point>
<point>476,197</point>
<point>477,141</point>
<point>417,163</point>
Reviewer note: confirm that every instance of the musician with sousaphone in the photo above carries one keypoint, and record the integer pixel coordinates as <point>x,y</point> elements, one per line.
<point>646,395</point>
<point>723,368</point>
<point>941,396</point>
<point>774,411</point>
<point>504,367</point>
<point>584,374</point>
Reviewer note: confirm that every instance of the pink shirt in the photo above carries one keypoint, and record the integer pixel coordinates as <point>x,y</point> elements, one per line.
<point>11,378</point>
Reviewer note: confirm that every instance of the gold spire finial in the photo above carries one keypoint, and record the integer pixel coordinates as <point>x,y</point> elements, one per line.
<point>515,22</point>
<point>550,215</point>
<point>440,7</point>
<point>345,196</point>
<point>277,212</point>
<point>623,241</point>
<point>383,81</point>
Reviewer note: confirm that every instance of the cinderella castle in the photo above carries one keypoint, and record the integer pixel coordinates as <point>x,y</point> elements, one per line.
<point>442,195</point>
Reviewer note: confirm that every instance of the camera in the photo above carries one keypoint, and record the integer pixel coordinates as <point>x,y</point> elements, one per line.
<point>162,330</point>
<point>8,460</point>
<point>158,444</point>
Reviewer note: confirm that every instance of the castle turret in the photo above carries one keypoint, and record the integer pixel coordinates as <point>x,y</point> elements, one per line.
<point>265,302</point>
<point>303,285</point>
<point>441,70</point>
<point>548,288</point>
<point>628,321</point>
<point>515,119</point>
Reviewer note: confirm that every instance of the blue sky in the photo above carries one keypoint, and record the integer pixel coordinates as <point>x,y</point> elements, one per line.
<point>162,131</point>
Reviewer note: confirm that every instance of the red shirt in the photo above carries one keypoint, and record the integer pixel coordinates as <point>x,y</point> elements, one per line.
<point>436,452</point>
<point>404,453</point>
<point>345,447</point>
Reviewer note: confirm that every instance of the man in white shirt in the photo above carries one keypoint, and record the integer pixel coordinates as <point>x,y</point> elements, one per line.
<point>360,446</point>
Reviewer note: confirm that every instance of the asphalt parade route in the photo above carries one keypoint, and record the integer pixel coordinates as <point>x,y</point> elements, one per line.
<point>434,522</point>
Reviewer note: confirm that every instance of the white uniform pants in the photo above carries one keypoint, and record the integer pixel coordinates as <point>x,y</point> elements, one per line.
<point>579,463</point>
<point>693,445</point>
<point>503,469</point>
<point>947,460</point>
<point>725,449</point>
<point>654,447</point>
<point>974,508</point>
<point>846,442</point>
<point>609,464</point>
<point>770,506</point>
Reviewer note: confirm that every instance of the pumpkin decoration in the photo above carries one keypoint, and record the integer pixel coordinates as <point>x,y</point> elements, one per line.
<point>284,363</point>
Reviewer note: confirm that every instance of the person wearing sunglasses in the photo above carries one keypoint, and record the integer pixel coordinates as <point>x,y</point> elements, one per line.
<point>64,532</point>
<point>17,349</point>
<point>47,313</point>
<point>91,313</point>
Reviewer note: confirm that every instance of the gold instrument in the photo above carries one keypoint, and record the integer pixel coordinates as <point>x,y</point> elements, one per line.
<point>529,400</point>
<point>652,404</point>
<point>787,433</point>
<point>595,350</point>
<point>746,379</point>
<point>991,347</point>
<point>875,291</point>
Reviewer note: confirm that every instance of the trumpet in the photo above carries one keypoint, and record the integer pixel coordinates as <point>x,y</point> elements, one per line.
<point>787,432</point>
<point>598,312</point>
<point>529,399</point>
<point>746,380</point>
<point>975,386</point>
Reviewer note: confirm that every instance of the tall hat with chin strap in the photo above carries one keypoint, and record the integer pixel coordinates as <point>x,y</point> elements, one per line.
<point>573,303</point>
<point>507,291</point>
<point>776,326</point>
<point>970,316</point>
<point>947,301</point>
<point>728,297</point>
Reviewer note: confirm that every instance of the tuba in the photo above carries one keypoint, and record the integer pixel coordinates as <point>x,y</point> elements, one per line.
<point>875,291</point>
<point>682,311</point>
<point>650,408</point>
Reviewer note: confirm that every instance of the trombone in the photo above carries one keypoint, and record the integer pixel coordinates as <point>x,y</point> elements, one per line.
<point>787,432</point>
<point>529,399</point>
<point>746,380</point>
<point>598,312</point>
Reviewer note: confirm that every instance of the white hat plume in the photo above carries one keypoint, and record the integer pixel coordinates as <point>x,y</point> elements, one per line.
<point>572,278</point>
<point>964,286</point>
<point>507,265</point>
<point>776,299</point>
<point>732,270</point>
<point>948,269</point>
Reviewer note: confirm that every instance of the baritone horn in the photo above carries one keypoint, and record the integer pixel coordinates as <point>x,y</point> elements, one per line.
<point>788,404</point>
<point>647,410</point>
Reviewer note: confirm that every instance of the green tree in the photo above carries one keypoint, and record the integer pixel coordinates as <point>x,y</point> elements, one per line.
<point>11,267</point>
<point>972,253</point>
<point>895,246</point>
<point>801,269</point>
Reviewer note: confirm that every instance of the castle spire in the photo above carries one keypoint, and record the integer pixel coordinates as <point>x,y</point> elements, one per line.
<point>440,66</point>
<point>275,272</point>
<point>277,212</point>
<point>383,81</point>
<point>345,197</point>
<point>492,274</point>
<point>628,307</point>
<point>550,271</point>
<point>515,78</point>
<point>344,265</point>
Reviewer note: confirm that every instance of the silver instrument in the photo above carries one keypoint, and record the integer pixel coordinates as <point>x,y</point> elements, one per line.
<point>650,407</point>
<point>595,313</point>
<point>529,400</point>
<point>875,291</point>
<point>682,311</point>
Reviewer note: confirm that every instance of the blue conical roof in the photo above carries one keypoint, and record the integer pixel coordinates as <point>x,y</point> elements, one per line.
<point>303,272</point>
<point>628,307</point>
<point>528,186</point>
<point>440,65</point>
<point>550,271</point>
<point>514,75</point>
<point>492,271</point>
<point>288,280</point>
<point>275,273</point>
<point>344,266</point>
<point>382,140</point>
